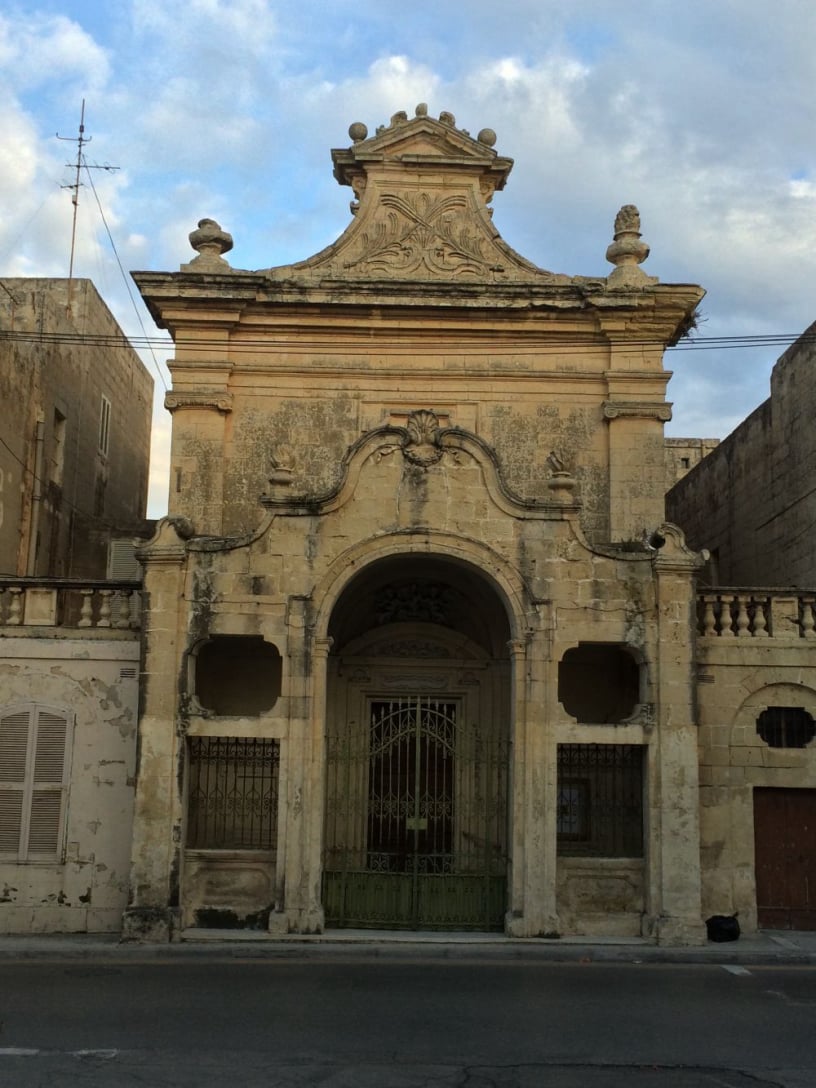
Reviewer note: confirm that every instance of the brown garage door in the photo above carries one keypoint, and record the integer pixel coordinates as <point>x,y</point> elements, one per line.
<point>785,836</point>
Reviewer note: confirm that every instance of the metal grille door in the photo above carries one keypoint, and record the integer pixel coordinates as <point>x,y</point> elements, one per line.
<point>416,821</point>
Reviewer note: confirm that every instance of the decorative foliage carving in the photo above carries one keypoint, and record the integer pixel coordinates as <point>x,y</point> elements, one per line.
<point>628,218</point>
<point>422,231</point>
<point>411,647</point>
<point>425,602</point>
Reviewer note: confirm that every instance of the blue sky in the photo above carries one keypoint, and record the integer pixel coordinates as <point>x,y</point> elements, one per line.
<point>702,113</point>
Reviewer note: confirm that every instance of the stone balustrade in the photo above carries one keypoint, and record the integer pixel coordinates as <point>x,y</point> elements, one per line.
<point>52,602</point>
<point>756,613</point>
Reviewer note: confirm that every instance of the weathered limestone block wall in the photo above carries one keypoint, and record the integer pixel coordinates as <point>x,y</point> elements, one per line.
<point>277,583</point>
<point>93,676</point>
<point>684,454</point>
<point>738,679</point>
<point>751,501</point>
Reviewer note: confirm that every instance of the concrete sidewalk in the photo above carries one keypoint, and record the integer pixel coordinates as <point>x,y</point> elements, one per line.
<point>768,947</point>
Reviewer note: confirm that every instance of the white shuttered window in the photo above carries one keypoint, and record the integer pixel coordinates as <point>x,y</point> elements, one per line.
<point>34,760</point>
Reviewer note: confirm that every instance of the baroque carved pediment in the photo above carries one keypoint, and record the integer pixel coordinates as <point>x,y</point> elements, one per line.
<point>421,233</point>
<point>422,189</point>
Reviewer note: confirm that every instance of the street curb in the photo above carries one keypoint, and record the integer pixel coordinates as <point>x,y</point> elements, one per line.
<point>516,951</point>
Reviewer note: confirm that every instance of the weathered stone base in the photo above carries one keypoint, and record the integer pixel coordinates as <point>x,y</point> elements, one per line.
<point>520,926</point>
<point>151,925</point>
<point>298,921</point>
<point>678,932</point>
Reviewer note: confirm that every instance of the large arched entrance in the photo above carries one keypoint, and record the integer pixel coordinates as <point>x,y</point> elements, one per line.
<point>417,749</point>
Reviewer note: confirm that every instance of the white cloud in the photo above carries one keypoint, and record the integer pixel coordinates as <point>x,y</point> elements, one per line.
<point>702,114</point>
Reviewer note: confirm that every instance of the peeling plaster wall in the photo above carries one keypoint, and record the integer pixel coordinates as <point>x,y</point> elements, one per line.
<point>88,891</point>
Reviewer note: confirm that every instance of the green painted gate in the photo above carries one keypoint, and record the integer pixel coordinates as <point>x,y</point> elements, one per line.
<point>416,816</point>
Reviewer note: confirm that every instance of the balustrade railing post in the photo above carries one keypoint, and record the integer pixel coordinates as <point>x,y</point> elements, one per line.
<point>15,614</point>
<point>743,623</point>
<point>760,620</point>
<point>86,612</point>
<point>726,600</point>
<point>808,626</point>
<point>105,608</point>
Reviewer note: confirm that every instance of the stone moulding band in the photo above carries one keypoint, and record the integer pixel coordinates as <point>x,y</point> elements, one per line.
<point>221,402</point>
<point>612,409</point>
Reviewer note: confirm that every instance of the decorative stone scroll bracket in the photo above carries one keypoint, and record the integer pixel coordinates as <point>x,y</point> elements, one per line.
<point>645,409</point>
<point>220,402</point>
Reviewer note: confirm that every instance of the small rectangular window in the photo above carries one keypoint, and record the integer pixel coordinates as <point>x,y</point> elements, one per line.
<point>104,426</point>
<point>34,751</point>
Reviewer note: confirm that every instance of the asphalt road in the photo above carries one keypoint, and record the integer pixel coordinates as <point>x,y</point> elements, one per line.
<point>423,1023</point>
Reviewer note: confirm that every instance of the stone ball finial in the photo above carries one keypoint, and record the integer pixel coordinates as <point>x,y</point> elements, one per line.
<point>210,242</point>
<point>358,131</point>
<point>487,137</point>
<point>422,109</point>
<point>627,251</point>
<point>447,118</point>
<point>399,118</point>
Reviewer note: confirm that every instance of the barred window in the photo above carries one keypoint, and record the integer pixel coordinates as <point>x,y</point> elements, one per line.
<point>600,800</point>
<point>786,727</point>
<point>232,793</point>
<point>34,759</point>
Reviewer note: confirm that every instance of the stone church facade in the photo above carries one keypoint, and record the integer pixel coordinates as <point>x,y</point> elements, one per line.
<point>419,649</point>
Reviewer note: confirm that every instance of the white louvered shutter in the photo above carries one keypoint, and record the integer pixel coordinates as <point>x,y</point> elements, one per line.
<point>14,738</point>
<point>48,785</point>
<point>33,759</point>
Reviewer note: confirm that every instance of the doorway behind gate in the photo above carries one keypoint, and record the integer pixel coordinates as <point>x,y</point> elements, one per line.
<point>416,818</point>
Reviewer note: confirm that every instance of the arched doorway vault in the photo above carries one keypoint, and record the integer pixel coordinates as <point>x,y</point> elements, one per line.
<point>417,749</point>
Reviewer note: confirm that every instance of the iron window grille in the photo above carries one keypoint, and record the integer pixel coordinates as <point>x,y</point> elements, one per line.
<point>600,800</point>
<point>786,727</point>
<point>232,800</point>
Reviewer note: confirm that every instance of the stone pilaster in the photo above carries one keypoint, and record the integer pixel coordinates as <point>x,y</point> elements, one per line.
<point>674,841</point>
<point>153,909</point>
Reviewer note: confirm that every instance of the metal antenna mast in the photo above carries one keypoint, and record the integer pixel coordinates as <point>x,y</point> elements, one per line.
<point>80,141</point>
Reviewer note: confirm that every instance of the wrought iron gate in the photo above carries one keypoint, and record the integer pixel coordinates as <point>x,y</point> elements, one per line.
<point>416,816</point>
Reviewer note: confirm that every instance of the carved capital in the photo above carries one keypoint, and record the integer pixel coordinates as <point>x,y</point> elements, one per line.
<point>613,409</point>
<point>219,402</point>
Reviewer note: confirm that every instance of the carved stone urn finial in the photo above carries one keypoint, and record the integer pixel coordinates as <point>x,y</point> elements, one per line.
<point>210,242</point>
<point>561,482</point>
<point>628,251</point>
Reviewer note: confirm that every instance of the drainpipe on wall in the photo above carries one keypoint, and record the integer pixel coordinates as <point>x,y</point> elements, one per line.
<point>36,498</point>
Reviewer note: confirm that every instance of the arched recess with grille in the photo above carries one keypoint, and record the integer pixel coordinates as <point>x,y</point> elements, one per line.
<point>417,748</point>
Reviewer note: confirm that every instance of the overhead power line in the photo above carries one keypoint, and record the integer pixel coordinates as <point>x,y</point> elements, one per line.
<point>268,346</point>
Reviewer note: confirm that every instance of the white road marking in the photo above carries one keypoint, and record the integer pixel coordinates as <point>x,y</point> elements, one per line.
<point>30,1052</point>
<point>733,969</point>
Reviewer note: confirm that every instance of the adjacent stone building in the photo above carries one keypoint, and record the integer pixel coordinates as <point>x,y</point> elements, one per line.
<point>751,503</point>
<point>74,430</point>
<point>74,451</point>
